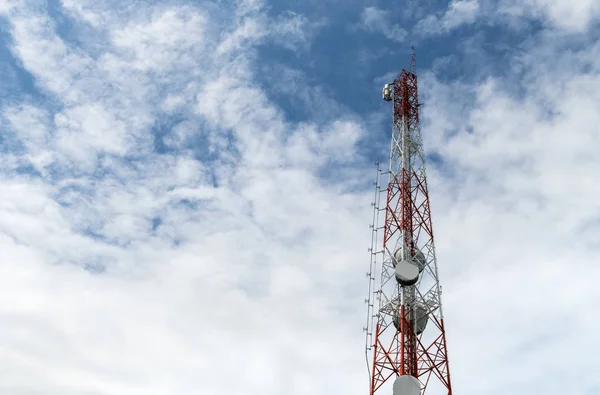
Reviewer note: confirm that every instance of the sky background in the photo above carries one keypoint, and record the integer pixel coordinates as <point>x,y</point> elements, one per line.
<point>185,191</point>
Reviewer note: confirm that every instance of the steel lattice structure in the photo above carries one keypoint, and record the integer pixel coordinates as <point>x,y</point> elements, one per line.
<point>405,325</point>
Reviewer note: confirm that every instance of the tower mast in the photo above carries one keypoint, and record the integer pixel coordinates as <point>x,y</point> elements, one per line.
<point>405,332</point>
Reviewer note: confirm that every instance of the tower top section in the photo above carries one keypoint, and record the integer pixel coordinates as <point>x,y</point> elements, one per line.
<point>388,89</point>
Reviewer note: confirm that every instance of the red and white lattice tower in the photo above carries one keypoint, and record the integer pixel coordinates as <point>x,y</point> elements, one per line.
<point>406,340</point>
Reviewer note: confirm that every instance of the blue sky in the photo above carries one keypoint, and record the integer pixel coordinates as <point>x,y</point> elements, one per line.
<point>186,188</point>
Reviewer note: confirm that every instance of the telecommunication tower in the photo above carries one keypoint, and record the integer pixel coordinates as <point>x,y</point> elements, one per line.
<point>405,335</point>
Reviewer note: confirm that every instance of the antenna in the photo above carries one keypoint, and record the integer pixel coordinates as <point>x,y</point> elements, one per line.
<point>407,334</point>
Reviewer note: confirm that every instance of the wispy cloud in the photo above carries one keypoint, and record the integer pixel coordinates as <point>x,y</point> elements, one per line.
<point>162,219</point>
<point>459,12</point>
<point>562,14</point>
<point>128,269</point>
<point>295,32</point>
<point>377,20</point>
<point>519,167</point>
<point>7,6</point>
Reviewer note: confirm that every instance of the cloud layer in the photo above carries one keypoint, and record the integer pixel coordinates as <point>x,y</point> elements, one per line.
<point>170,230</point>
<point>167,229</point>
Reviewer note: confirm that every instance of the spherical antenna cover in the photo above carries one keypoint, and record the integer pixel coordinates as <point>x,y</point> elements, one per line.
<point>407,273</point>
<point>418,258</point>
<point>422,316</point>
<point>407,385</point>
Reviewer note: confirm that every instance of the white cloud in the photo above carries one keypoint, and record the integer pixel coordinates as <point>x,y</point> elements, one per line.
<point>46,56</point>
<point>152,49</point>
<point>87,11</point>
<point>250,30</point>
<point>524,194</point>
<point>377,20</point>
<point>294,31</point>
<point>251,259</point>
<point>459,12</point>
<point>567,15</point>
<point>6,6</point>
<point>564,15</point>
<point>30,126</point>
<point>246,264</point>
<point>82,131</point>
